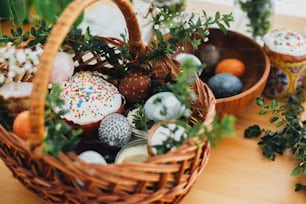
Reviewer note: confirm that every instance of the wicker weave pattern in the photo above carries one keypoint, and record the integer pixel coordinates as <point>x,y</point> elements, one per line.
<point>67,179</point>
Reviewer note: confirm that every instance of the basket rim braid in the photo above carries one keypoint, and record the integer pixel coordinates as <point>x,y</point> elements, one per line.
<point>67,179</point>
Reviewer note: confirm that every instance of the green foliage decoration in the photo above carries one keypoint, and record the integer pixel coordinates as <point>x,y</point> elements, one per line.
<point>289,133</point>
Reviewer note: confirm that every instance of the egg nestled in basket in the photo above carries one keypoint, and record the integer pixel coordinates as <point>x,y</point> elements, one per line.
<point>135,87</point>
<point>164,106</point>
<point>115,130</point>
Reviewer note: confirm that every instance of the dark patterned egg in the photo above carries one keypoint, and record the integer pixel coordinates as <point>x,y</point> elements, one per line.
<point>225,85</point>
<point>210,55</point>
<point>115,130</point>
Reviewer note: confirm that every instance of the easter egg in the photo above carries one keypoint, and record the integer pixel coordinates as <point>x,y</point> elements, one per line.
<point>114,130</point>
<point>135,87</point>
<point>231,66</point>
<point>163,106</point>
<point>210,55</point>
<point>159,134</point>
<point>90,156</point>
<point>225,85</point>
<point>63,68</point>
<point>21,125</point>
<point>183,56</point>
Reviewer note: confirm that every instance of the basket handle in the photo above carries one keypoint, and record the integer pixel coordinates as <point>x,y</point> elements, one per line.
<point>53,44</point>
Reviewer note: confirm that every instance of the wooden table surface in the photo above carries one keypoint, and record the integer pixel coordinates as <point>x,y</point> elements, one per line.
<point>236,173</point>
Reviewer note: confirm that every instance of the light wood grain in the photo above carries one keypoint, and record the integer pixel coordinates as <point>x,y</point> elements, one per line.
<point>237,173</point>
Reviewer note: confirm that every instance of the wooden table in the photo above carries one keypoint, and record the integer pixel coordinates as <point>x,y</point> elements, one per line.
<point>236,173</point>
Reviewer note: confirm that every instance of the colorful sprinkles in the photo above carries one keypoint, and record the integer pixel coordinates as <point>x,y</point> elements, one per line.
<point>286,42</point>
<point>89,98</point>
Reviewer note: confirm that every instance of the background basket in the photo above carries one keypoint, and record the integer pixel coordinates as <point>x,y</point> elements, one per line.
<point>67,179</point>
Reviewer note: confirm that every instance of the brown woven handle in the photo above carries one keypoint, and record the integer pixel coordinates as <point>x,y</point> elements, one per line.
<point>53,44</point>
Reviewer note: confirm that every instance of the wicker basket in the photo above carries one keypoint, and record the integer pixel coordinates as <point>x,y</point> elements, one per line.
<point>159,179</point>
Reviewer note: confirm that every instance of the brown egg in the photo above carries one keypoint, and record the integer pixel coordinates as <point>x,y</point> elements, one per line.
<point>135,87</point>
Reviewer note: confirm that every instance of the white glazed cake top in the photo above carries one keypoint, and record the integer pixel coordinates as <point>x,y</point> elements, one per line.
<point>286,42</point>
<point>89,98</point>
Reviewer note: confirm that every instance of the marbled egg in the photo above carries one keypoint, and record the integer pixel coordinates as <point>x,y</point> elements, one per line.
<point>225,85</point>
<point>164,106</point>
<point>114,130</point>
<point>161,133</point>
<point>90,156</point>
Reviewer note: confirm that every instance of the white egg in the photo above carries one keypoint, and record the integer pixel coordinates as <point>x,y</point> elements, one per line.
<point>163,106</point>
<point>92,157</point>
<point>63,68</point>
<point>183,56</point>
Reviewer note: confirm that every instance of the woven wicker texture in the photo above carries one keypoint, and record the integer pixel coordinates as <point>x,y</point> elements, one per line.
<point>67,179</point>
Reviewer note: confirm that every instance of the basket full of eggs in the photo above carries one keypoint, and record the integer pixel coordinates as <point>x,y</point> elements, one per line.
<point>77,137</point>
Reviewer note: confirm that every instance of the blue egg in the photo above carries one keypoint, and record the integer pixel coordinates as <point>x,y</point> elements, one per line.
<point>224,85</point>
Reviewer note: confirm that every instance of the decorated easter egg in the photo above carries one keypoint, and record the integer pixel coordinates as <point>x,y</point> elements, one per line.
<point>90,156</point>
<point>225,85</point>
<point>115,130</point>
<point>164,106</point>
<point>63,68</point>
<point>159,134</point>
<point>135,87</point>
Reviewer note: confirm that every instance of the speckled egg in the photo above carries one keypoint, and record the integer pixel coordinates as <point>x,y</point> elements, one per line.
<point>164,106</point>
<point>92,157</point>
<point>225,85</point>
<point>115,130</point>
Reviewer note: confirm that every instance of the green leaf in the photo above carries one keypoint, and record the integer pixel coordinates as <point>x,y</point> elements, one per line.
<point>304,170</point>
<point>263,111</point>
<point>274,104</point>
<point>46,9</point>
<point>280,123</point>
<point>17,11</point>
<point>274,119</point>
<point>252,131</point>
<point>217,15</point>
<point>260,101</point>
<point>296,171</point>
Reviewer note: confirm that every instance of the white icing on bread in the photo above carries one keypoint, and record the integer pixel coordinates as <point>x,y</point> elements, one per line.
<point>285,42</point>
<point>89,98</point>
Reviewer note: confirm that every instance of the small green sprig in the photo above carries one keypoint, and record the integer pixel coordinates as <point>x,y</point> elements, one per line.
<point>289,133</point>
<point>183,30</point>
<point>59,135</point>
<point>259,13</point>
<point>140,120</point>
<point>37,35</point>
<point>181,88</point>
<point>220,128</point>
